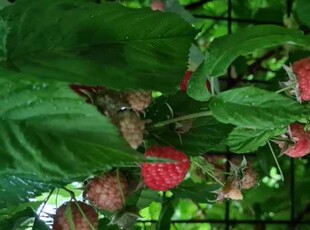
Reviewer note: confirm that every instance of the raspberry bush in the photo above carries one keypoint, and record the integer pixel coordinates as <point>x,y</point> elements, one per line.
<point>139,110</point>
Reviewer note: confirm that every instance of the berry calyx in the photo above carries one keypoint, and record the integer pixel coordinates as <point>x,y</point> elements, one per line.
<point>184,84</point>
<point>107,192</point>
<point>165,176</point>
<point>302,71</point>
<point>81,215</point>
<point>231,190</point>
<point>301,142</point>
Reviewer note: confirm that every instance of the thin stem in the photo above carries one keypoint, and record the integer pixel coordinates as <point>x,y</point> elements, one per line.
<point>181,118</point>
<point>196,162</point>
<point>120,187</point>
<point>70,192</point>
<point>276,160</point>
<point>46,200</point>
<point>56,198</point>
<point>84,216</point>
<point>160,139</point>
<point>284,89</point>
<point>211,81</point>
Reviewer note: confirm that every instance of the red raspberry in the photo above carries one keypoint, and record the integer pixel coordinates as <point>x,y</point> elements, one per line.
<point>302,72</point>
<point>186,79</point>
<point>107,192</point>
<point>301,139</point>
<point>165,176</point>
<point>61,221</point>
<point>158,5</point>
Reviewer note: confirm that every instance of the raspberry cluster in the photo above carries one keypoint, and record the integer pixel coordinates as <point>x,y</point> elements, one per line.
<point>123,108</point>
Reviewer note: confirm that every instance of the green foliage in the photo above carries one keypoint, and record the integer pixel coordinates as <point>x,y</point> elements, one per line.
<point>51,138</point>
<point>46,129</point>
<point>18,219</point>
<point>244,140</point>
<point>205,134</point>
<point>104,225</point>
<point>254,108</point>
<point>106,44</point>
<point>193,136</point>
<point>197,192</point>
<point>302,8</point>
<point>39,225</point>
<point>243,42</point>
<point>4,3</point>
<point>17,189</point>
<point>146,197</point>
<point>4,30</point>
<point>166,213</point>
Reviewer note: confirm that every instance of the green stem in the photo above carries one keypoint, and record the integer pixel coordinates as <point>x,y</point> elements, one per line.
<point>181,118</point>
<point>197,163</point>
<point>284,89</point>
<point>84,216</point>
<point>46,200</point>
<point>276,160</point>
<point>120,187</point>
<point>70,192</point>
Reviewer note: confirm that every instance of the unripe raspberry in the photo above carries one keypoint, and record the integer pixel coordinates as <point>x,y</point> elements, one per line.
<point>231,190</point>
<point>63,217</point>
<point>109,102</point>
<point>249,179</point>
<point>131,127</point>
<point>139,101</point>
<point>107,192</point>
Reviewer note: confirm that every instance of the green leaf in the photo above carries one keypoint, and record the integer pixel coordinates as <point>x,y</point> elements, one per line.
<point>18,219</point>
<point>146,197</point>
<point>4,31</point>
<point>200,193</point>
<point>104,224</point>
<point>243,140</point>
<point>302,8</point>
<point>49,131</point>
<point>254,108</point>
<point>4,3</point>
<point>40,225</point>
<point>166,213</point>
<point>18,189</point>
<point>98,44</point>
<point>224,50</point>
<point>173,105</point>
<point>206,134</point>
